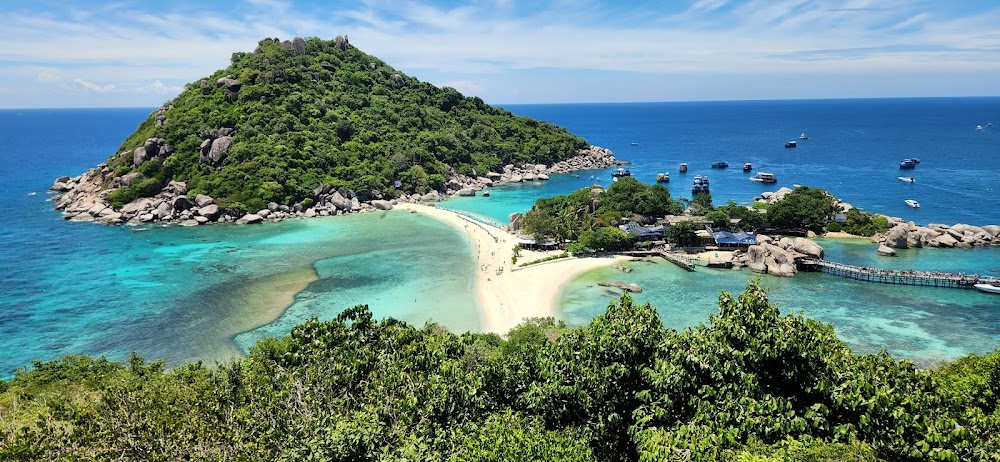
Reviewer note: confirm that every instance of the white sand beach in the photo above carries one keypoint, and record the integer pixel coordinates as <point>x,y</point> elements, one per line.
<point>508,296</point>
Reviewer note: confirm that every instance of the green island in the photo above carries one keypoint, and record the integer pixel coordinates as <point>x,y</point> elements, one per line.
<point>750,385</point>
<point>291,120</point>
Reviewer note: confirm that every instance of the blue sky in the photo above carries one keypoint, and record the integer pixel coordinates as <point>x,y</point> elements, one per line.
<point>141,53</point>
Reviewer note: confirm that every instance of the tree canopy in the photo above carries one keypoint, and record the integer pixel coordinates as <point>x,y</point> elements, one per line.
<point>751,384</point>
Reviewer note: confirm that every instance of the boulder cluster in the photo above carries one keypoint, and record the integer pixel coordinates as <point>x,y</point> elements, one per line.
<point>778,257</point>
<point>909,235</point>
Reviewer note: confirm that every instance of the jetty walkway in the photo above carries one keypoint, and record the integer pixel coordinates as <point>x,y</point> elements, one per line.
<point>899,277</point>
<point>672,258</point>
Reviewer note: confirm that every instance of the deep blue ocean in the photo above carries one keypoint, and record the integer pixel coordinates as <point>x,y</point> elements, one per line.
<point>189,293</point>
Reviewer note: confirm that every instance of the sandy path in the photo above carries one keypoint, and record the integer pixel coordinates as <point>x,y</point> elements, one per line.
<point>506,297</point>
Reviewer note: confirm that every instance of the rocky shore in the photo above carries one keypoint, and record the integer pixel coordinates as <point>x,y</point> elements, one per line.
<point>909,235</point>
<point>778,257</point>
<point>84,197</point>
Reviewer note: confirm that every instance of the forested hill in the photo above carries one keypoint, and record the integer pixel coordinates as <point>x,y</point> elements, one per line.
<point>291,115</point>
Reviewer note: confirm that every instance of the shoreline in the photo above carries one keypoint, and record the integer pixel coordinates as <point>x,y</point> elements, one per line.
<point>505,295</point>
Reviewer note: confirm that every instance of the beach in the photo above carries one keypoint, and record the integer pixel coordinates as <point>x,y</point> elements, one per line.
<point>507,295</point>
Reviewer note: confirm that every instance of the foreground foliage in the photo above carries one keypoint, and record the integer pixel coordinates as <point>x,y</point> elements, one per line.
<point>329,113</point>
<point>752,385</point>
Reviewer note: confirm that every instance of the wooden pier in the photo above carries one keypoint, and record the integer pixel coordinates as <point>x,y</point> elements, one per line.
<point>899,277</point>
<point>672,258</point>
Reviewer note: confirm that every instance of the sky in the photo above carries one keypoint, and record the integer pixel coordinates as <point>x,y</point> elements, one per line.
<point>141,53</point>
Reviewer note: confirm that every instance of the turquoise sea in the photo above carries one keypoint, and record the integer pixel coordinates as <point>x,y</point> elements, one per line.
<point>195,293</point>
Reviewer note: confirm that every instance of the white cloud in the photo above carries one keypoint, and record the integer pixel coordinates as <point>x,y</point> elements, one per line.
<point>91,86</point>
<point>48,75</point>
<point>465,87</point>
<point>470,46</point>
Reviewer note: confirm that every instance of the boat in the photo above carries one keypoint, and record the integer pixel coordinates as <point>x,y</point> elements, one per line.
<point>993,289</point>
<point>912,203</point>
<point>663,177</point>
<point>803,137</point>
<point>700,185</point>
<point>720,164</point>
<point>989,124</point>
<point>979,127</point>
<point>907,164</point>
<point>747,167</point>
<point>621,172</point>
<point>791,144</point>
<point>486,193</point>
<point>684,168</point>
<point>764,177</point>
<point>908,179</point>
<point>634,143</point>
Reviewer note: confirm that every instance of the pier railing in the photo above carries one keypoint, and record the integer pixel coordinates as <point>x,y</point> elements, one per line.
<point>900,277</point>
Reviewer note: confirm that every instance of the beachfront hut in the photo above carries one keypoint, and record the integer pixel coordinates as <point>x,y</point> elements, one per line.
<point>643,233</point>
<point>531,244</point>
<point>726,239</point>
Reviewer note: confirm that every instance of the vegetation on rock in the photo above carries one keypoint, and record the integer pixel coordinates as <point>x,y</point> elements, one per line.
<point>751,385</point>
<point>290,116</point>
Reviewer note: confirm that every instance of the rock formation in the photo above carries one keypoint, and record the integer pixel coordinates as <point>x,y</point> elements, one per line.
<point>909,235</point>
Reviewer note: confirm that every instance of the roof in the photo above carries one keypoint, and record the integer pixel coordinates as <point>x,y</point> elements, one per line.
<point>726,237</point>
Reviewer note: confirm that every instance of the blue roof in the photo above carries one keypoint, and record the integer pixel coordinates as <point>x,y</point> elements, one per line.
<point>726,237</point>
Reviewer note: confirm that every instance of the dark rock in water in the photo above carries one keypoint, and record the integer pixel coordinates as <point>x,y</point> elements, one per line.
<point>629,287</point>
<point>886,251</point>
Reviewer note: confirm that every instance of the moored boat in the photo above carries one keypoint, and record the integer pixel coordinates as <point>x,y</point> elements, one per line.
<point>621,172</point>
<point>791,144</point>
<point>720,164</point>
<point>684,168</point>
<point>907,164</point>
<point>663,177</point>
<point>700,185</point>
<point>990,288</point>
<point>747,167</point>
<point>764,177</point>
<point>803,136</point>
<point>908,179</point>
<point>979,127</point>
<point>912,203</point>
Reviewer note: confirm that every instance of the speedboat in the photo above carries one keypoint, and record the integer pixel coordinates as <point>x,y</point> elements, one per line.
<point>684,168</point>
<point>993,289</point>
<point>747,167</point>
<point>720,164</point>
<point>907,164</point>
<point>663,177</point>
<point>912,203</point>
<point>908,179</point>
<point>803,137</point>
<point>634,143</point>
<point>791,144</point>
<point>764,177</point>
<point>979,127</point>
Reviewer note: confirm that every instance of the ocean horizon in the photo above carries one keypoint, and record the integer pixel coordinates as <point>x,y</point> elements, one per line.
<point>181,293</point>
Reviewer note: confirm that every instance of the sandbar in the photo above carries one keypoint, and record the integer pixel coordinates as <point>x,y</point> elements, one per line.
<point>507,294</point>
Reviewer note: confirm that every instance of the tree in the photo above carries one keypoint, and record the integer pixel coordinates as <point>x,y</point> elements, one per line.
<point>719,219</point>
<point>683,233</point>
<point>808,208</point>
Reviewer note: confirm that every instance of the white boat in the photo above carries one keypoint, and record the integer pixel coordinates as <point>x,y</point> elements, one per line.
<point>764,177</point>
<point>912,203</point>
<point>987,288</point>
<point>803,137</point>
<point>979,127</point>
<point>908,179</point>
